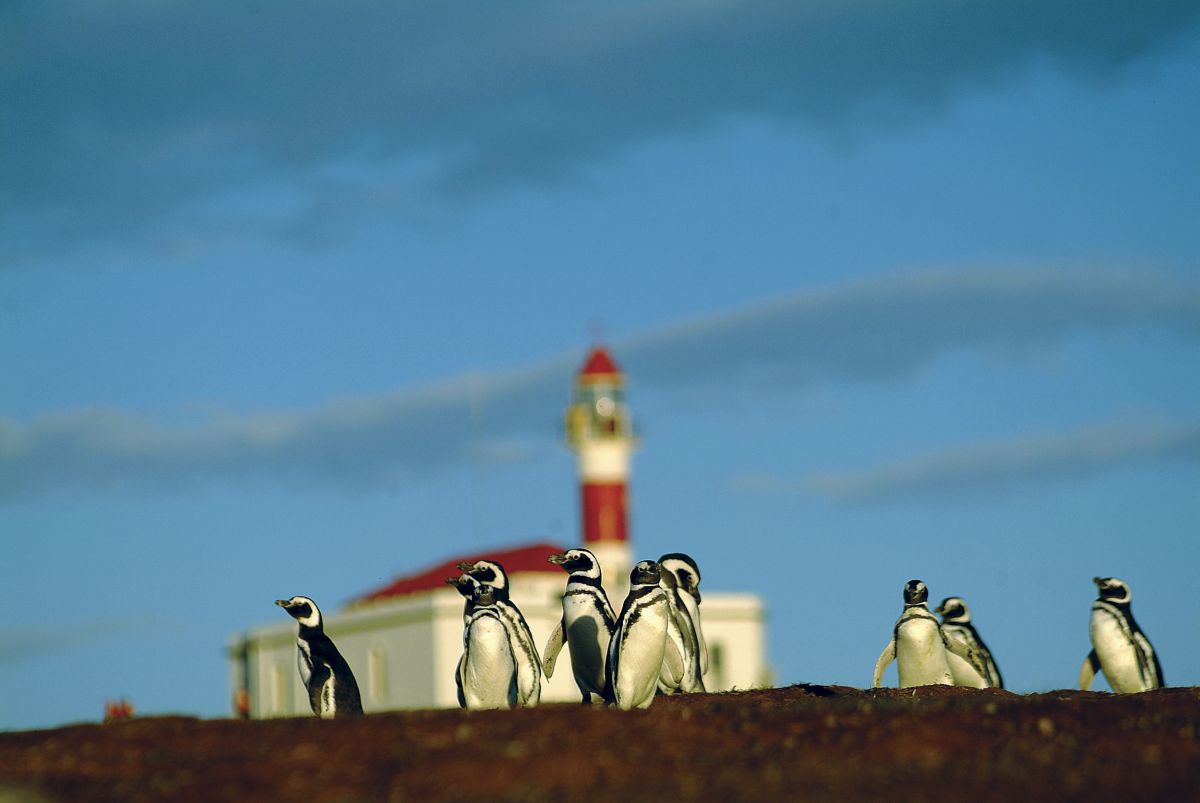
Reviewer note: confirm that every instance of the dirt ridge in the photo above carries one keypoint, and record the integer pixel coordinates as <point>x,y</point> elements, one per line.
<point>792,743</point>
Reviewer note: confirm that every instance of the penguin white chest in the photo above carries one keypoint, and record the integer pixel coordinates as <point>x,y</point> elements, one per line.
<point>524,655</point>
<point>920,654</point>
<point>588,636</point>
<point>642,646</point>
<point>489,672</point>
<point>1119,657</point>
<point>674,674</point>
<point>304,661</point>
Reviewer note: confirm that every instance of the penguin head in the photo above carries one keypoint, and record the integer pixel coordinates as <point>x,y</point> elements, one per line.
<point>915,593</point>
<point>666,579</point>
<point>302,609</point>
<point>645,573</point>
<point>685,571</point>
<point>954,609</point>
<point>487,571</point>
<point>578,561</point>
<point>1113,590</point>
<point>463,584</point>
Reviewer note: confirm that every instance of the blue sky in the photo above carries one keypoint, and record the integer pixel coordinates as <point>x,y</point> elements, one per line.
<point>902,290</point>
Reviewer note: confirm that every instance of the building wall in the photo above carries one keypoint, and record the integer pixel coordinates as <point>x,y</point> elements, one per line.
<point>404,652</point>
<point>734,628</point>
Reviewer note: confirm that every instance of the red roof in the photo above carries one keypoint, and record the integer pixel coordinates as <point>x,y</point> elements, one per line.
<point>529,558</point>
<point>599,362</point>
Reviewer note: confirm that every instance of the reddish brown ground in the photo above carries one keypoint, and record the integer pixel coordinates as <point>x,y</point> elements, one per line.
<point>800,742</point>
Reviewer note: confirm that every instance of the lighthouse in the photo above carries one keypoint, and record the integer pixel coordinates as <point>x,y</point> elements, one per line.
<point>599,430</point>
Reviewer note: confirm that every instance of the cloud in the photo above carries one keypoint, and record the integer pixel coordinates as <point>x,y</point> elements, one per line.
<point>355,443</point>
<point>987,467</point>
<point>877,331</point>
<point>19,644</point>
<point>123,113</point>
<point>884,330</point>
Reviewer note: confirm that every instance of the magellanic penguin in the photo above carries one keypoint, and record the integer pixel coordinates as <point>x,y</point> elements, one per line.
<point>586,624</point>
<point>681,660</point>
<point>525,654</point>
<point>332,690</point>
<point>1119,647</point>
<point>638,645</point>
<point>963,640</point>
<point>487,674</point>
<point>917,644</point>
<point>687,579</point>
<point>465,584</point>
<point>680,579</point>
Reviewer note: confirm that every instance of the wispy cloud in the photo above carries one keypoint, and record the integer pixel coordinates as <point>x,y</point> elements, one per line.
<point>354,443</point>
<point>124,112</point>
<point>992,466</point>
<point>884,330</point>
<point>19,644</point>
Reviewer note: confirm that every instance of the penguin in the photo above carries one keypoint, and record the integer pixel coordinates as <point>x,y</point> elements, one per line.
<point>683,626</point>
<point>1119,647</point>
<point>687,579</point>
<point>678,656</point>
<point>525,654</point>
<point>917,644</point>
<point>638,645</point>
<point>586,625</point>
<point>464,584</point>
<point>964,641</point>
<point>487,675</point>
<point>332,690</point>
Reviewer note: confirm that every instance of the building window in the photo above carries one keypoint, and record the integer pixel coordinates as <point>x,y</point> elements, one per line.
<point>278,679</point>
<point>716,667</point>
<point>376,674</point>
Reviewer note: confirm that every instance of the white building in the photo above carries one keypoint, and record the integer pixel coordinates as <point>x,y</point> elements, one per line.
<point>403,641</point>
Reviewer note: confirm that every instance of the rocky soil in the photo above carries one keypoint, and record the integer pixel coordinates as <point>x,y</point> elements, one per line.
<point>795,743</point>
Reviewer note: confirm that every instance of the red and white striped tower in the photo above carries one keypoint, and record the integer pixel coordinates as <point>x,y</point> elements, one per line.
<point>599,430</point>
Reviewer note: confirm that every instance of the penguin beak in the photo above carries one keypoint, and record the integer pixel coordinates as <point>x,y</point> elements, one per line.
<point>1099,581</point>
<point>282,603</point>
<point>557,559</point>
<point>940,609</point>
<point>465,566</point>
<point>451,581</point>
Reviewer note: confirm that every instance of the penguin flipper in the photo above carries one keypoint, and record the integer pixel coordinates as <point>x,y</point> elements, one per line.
<point>1091,665</point>
<point>1153,669</point>
<point>458,680</point>
<point>553,647</point>
<point>885,658</point>
<point>974,663</point>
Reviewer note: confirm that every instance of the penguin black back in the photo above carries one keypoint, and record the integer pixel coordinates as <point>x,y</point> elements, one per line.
<point>956,624</point>
<point>332,689</point>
